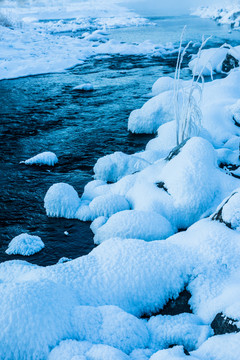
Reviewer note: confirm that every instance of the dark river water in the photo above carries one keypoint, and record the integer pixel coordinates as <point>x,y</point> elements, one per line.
<point>43,113</point>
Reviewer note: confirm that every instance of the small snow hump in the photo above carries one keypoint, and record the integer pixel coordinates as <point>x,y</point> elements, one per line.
<point>44,158</point>
<point>25,245</point>
<point>84,87</point>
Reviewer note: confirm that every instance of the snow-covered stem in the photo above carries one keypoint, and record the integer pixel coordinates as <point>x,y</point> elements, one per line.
<point>188,118</point>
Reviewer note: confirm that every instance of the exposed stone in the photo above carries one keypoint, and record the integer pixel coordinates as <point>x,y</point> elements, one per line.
<point>229,63</point>
<point>224,325</point>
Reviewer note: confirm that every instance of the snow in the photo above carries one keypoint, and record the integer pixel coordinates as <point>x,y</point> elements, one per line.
<point>84,87</point>
<point>61,200</point>
<point>25,244</point>
<point>45,158</point>
<point>184,329</point>
<point>133,224</point>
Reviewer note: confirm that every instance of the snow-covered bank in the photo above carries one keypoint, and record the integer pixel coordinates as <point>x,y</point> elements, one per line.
<point>167,221</point>
<point>229,14</point>
<point>73,33</point>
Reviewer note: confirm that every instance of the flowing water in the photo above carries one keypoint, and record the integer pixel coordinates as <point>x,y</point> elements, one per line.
<point>43,113</point>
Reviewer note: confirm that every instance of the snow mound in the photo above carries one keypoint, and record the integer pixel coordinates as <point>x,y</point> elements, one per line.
<point>219,347</point>
<point>113,167</point>
<point>84,87</point>
<point>45,158</point>
<point>184,329</point>
<point>133,224</point>
<point>25,244</point>
<point>111,326</point>
<point>61,200</point>
<point>69,349</point>
<point>107,205</point>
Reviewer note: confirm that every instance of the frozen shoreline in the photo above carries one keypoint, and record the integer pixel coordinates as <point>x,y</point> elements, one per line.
<point>229,15</point>
<point>166,218</point>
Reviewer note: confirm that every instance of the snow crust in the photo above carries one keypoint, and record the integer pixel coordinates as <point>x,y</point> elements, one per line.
<point>25,244</point>
<point>45,158</point>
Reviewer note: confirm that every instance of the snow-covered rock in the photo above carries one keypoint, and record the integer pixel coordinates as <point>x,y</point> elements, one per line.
<point>25,244</point>
<point>45,158</point>
<point>134,224</point>
<point>215,60</point>
<point>113,167</point>
<point>61,200</point>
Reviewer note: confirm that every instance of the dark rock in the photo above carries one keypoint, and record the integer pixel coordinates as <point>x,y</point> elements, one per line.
<point>174,306</point>
<point>161,185</point>
<point>217,216</point>
<point>224,325</point>
<point>185,350</point>
<point>175,151</point>
<point>229,63</point>
<point>177,306</point>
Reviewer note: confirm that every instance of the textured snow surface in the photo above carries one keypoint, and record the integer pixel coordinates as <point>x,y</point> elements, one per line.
<point>25,244</point>
<point>45,158</point>
<point>184,329</point>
